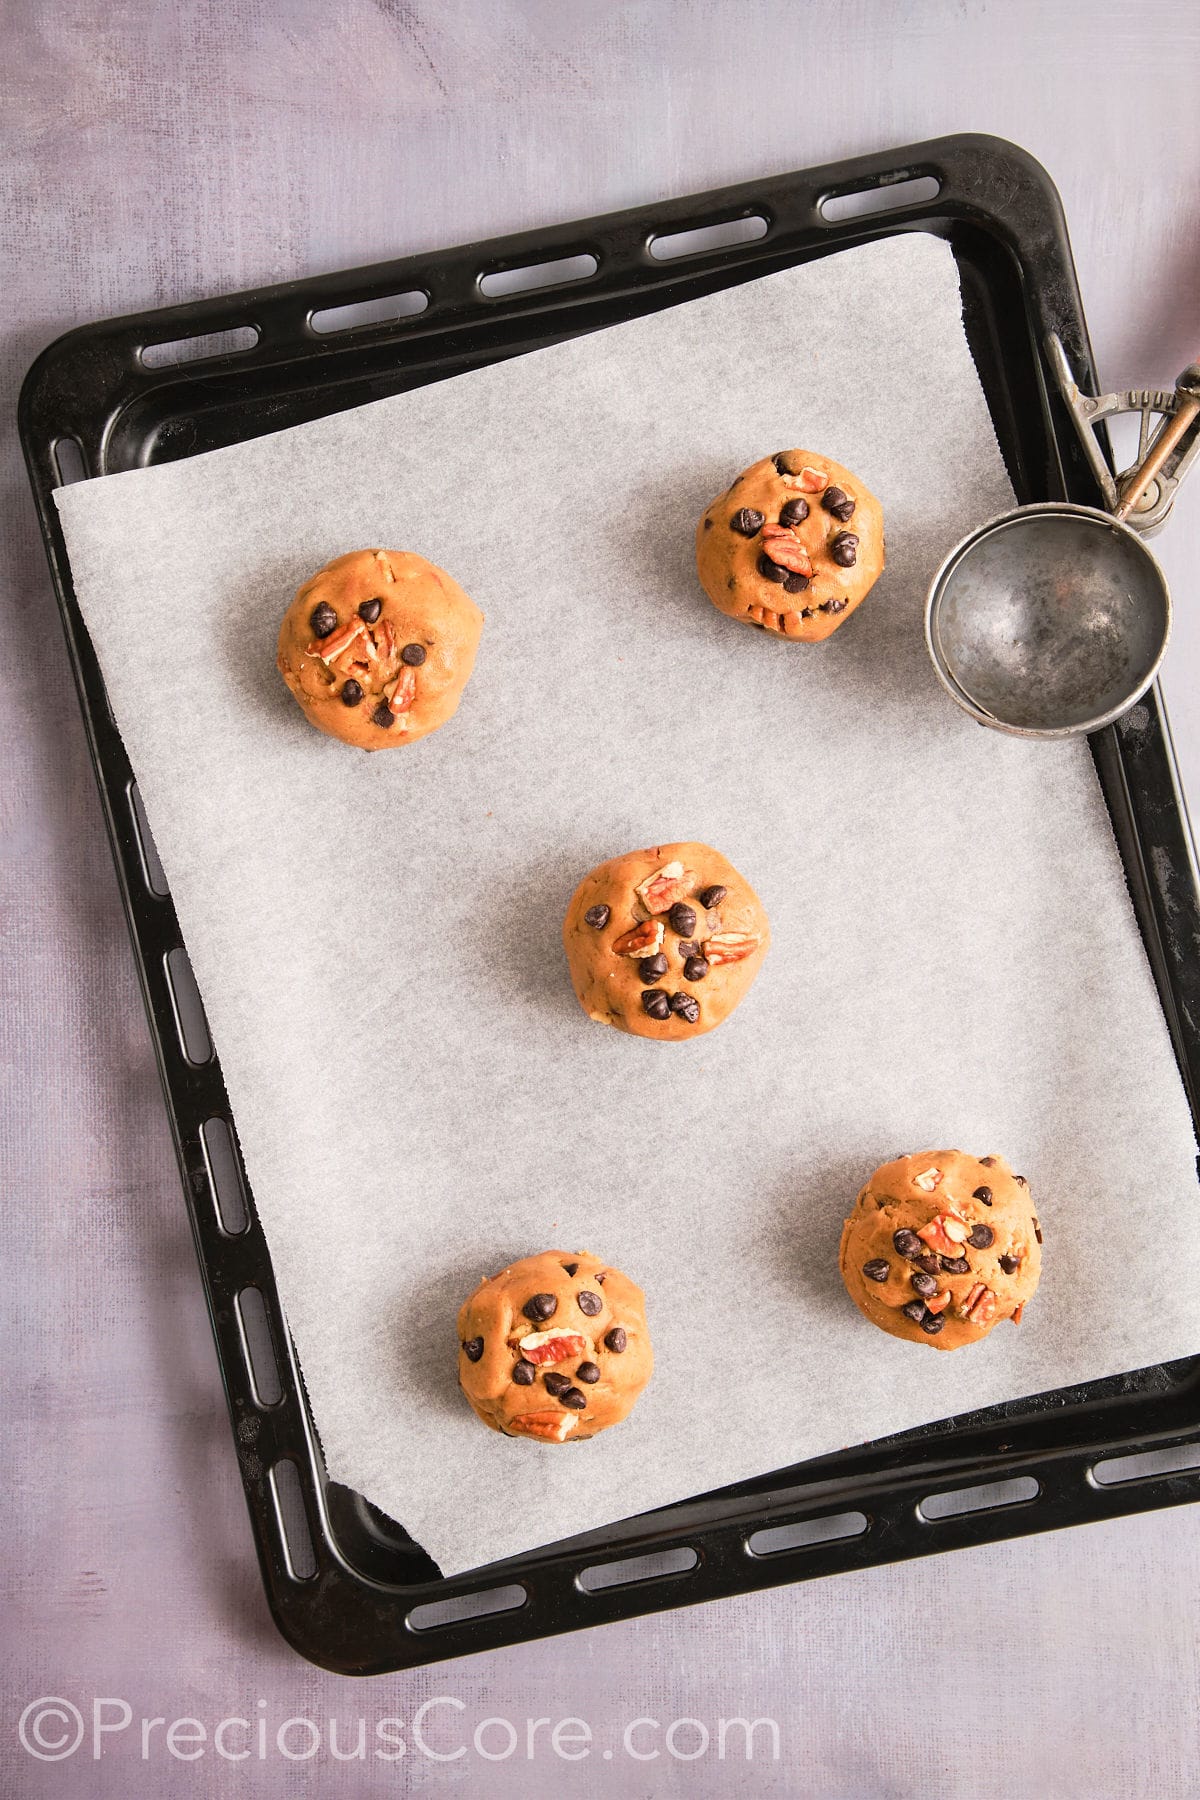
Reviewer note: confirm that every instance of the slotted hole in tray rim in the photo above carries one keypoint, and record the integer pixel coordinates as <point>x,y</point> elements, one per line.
<point>233,342</point>
<point>258,1348</point>
<point>1017,1491</point>
<point>529,276</point>
<point>383,311</point>
<point>802,1533</point>
<point>653,1567</point>
<point>152,868</point>
<point>666,246</point>
<point>1146,1465</point>
<point>190,1021</point>
<point>225,1176</point>
<point>434,1613</point>
<point>888,196</point>
<point>70,461</point>
<point>290,1516</point>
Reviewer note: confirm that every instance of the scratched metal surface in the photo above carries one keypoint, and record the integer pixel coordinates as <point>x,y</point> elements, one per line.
<point>156,152</point>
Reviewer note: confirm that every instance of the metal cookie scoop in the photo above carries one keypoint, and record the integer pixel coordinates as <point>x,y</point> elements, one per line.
<point>1052,620</point>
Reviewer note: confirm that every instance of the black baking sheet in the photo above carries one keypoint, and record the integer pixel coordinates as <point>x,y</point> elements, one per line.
<point>346,1585</point>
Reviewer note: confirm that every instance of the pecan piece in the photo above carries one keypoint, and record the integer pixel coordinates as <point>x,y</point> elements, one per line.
<point>659,892</point>
<point>979,1307</point>
<point>939,1303</point>
<point>643,940</point>
<point>784,547</point>
<point>551,1346</point>
<point>944,1234</point>
<point>730,947</point>
<point>553,1426</point>
<point>403,690</point>
<point>927,1180</point>
<point>811,481</point>
<point>331,647</point>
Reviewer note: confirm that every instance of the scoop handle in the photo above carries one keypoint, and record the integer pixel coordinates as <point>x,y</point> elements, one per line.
<point>1173,432</point>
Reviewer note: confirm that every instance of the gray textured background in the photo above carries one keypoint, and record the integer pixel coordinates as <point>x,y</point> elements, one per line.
<point>160,152</point>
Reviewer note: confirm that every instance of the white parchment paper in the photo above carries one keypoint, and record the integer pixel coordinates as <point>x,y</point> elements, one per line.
<point>418,1096</point>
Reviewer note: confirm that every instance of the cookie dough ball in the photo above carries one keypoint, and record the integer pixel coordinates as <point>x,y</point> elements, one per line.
<point>941,1246</point>
<point>793,546</point>
<point>554,1347</point>
<point>378,646</point>
<point>664,942</point>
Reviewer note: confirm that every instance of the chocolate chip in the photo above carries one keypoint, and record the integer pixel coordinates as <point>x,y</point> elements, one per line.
<point>956,1265</point>
<point>877,1269</point>
<point>806,612</point>
<point>982,1237</point>
<point>708,524</point>
<point>539,1307</point>
<point>686,1006</point>
<point>832,606</point>
<point>780,459</point>
<point>383,716</point>
<point>601,1279</point>
<point>1037,1231</point>
<point>688,947</point>
<point>574,1398</point>
<point>984,1194</point>
<point>796,583</point>
<point>473,1349</point>
<point>928,1262</point>
<point>351,694</point>
<point>908,1243</point>
<point>1020,1181</point>
<point>795,512</point>
<point>915,1310</point>
<point>651,967</point>
<point>597,917</point>
<point>712,896</point>
<point>682,919</point>
<point>746,521</point>
<point>835,500</point>
<point>695,968</point>
<point>771,570</point>
<point>570,1267</point>
<point>656,1003</point>
<point>844,549</point>
<point>924,1284</point>
<point>589,1372</point>
<point>523,1373</point>
<point>370,610</point>
<point>413,654</point>
<point>932,1323</point>
<point>323,619</point>
<point>1010,1264</point>
<point>616,1340</point>
<point>987,1161</point>
<point>589,1303</point>
<point>555,1383</point>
